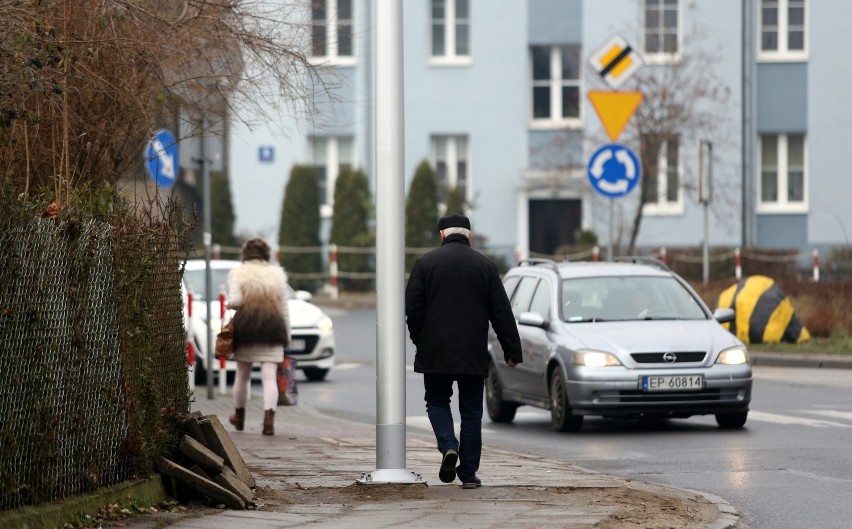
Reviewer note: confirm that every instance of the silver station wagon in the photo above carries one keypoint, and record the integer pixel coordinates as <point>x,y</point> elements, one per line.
<point>627,339</point>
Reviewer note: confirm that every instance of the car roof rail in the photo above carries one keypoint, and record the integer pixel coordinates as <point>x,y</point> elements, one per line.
<point>536,261</point>
<point>639,259</point>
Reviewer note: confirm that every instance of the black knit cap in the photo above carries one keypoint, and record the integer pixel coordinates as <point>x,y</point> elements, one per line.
<point>453,221</point>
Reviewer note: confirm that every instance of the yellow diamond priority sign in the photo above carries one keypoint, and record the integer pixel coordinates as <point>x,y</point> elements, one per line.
<point>616,61</point>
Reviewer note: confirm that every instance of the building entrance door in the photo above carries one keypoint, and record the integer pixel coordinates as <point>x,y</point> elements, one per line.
<point>553,222</point>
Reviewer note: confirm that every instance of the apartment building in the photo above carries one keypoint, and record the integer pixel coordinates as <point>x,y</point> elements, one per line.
<point>496,99</point>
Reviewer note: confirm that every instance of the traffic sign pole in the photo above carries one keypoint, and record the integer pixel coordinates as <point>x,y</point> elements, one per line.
<point>609,244</point>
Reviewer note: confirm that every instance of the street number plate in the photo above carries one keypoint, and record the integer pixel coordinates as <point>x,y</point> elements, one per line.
<point>673,383</point>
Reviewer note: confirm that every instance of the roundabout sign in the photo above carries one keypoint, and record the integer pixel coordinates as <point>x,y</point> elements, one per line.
<point>614,170</point>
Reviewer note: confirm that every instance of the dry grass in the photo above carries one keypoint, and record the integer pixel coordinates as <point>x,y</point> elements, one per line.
<point>825,308</point>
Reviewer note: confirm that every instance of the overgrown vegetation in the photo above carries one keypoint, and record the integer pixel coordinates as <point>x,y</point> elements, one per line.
<point>91,330</point>
<point>84,84</point>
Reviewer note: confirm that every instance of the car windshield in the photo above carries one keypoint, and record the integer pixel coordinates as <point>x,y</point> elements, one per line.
<point>194,280</point>
<point>628,298</point>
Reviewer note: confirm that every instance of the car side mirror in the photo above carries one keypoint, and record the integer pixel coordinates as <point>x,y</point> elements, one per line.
<point>533,319</point>
<point>724,315</point>
<point>304,295</point>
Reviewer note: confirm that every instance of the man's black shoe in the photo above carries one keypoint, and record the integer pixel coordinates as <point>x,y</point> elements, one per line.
<point>474,483</point>
<point>448,466</point>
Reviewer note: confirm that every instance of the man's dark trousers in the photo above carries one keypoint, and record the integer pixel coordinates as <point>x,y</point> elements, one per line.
<point>439,389</point>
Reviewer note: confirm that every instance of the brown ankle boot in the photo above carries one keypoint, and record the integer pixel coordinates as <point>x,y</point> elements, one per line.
<point>269,422</point>
<point>238,418</point>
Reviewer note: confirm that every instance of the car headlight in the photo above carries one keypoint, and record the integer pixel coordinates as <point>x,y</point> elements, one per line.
<point>733,356</point>
<point>324,324</point>
<point>594,359</point>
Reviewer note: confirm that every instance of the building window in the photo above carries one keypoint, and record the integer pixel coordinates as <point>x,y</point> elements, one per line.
<point>329,156</point>
<point>782,29</point>
<point>331,29</point>
<point>783,180</point>
<point>663,194</point>
<point>450,31</point>
<point>662,29</point>
<point>450,159</point>
<point>555,84</point>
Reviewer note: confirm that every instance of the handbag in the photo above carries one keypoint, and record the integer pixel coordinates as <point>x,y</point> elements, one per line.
<point>225,340</point>
<point>288,392</point>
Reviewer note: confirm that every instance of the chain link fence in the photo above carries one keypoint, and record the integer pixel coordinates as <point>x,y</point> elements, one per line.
<point>93,360</point>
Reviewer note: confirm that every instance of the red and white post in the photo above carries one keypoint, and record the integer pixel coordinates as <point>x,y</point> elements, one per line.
<point>596,254</point>
<point>332,271</point>
<point>816,265</point>
<point>738,265</point>
<point>663,256</point>
<point>190,342</point>
<point>223,371</point>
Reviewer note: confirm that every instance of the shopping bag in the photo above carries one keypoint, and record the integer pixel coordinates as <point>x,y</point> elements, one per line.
<point>225,341</point>
<point>288,392</point>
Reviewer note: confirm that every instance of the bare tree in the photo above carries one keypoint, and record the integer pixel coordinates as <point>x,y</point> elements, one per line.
<point>84,83</point>
<point>683,99</point>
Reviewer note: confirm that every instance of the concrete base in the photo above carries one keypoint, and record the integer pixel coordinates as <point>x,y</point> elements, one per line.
<point>391,475</point>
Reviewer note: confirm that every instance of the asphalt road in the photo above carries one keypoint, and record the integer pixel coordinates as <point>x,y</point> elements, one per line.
<point>790,467</point>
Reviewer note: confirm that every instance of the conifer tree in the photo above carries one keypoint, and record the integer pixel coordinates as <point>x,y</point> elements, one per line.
<point>222,210</point>
<point>299,227</point>
<point>351,226</point>
<point>456,202</point>
<point>421,212</point>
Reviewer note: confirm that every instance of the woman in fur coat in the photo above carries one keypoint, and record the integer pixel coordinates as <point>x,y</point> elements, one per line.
<point>257,289</point>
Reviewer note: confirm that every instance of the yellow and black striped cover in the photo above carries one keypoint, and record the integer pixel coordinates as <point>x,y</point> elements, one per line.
<point>764,313</point>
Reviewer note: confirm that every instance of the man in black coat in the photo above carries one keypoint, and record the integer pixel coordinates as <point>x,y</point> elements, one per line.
<point>452,294</point>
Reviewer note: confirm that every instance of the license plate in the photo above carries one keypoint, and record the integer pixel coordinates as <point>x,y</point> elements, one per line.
<point>296,345</point>
<point>673,383</point>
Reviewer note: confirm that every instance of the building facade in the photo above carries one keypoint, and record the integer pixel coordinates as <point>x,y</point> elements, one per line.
<point>496,99</point>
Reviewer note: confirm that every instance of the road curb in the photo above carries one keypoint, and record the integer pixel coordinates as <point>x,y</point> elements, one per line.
<point>759,358</point>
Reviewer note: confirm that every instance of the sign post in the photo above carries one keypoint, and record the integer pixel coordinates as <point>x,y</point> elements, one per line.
<point>705,187</point>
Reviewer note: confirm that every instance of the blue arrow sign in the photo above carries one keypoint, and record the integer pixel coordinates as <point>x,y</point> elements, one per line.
<point>161,158</point>
<point>614,170</point>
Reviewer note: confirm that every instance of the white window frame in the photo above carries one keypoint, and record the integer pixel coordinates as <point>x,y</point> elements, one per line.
<point>332,58</point>
<point>556,121</point>
<point>662,206</point>
<point>782,205</point>
<point>782,54</point>
<point>663,57</point>
<point>452,160</point>
<point>332,168</point>
<point>449,58</point>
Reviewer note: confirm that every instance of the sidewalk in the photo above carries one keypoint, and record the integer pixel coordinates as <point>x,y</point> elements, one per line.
<point>307,473</point>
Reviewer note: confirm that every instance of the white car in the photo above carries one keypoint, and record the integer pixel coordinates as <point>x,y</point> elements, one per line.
<point>312,344</point>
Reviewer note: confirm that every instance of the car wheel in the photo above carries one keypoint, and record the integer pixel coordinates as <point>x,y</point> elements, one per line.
<point>560,411</point>
<point>315,374</point>
<point>730,421</point>
<point>499,410</point>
